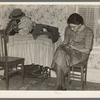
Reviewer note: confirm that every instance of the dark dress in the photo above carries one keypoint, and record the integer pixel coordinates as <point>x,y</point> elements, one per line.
<point>12,27</point>
<point>65,56</point>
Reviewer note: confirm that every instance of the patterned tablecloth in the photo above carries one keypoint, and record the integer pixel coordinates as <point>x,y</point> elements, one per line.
<point>39,51</point>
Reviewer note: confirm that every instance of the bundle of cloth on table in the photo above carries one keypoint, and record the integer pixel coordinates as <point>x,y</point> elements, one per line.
<point>23,25</point>
<point>42,29</point>
<point>39,29</point>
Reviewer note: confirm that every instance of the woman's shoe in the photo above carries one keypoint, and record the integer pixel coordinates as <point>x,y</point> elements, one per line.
<point>60,88</point>
<point>64,89</point>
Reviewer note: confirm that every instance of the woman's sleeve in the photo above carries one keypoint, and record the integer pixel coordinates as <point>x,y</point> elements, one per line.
<point>66,35</point>
<point>89,39</point>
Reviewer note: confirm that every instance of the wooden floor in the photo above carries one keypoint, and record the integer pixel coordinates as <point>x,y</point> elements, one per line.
<point>47,84</point>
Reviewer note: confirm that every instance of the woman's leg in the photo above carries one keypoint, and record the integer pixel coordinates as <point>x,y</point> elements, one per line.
<point>60,65</point>
<point>60,85</point>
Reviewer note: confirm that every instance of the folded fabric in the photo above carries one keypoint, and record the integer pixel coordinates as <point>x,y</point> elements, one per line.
<point>52,32</point>
<point>33,69</point>
<point>12,27</point>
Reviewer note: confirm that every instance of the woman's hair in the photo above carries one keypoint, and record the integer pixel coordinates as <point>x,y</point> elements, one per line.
<point>75,19</point>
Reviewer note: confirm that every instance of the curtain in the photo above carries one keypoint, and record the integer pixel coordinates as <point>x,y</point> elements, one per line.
<point>88,16</point>
<point>91,15</point>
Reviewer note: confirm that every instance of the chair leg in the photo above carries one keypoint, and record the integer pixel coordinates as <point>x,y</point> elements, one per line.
<point>23,72</point>
<point>69,78</point>
<point>85,76</point>
<point>82,78</point>
<point>72,74</point>
<point>7,77</point>
<point>16,66</point>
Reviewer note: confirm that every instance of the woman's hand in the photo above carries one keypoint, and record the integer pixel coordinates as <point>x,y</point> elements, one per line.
<point>72,47</point>
<point>62,44</point>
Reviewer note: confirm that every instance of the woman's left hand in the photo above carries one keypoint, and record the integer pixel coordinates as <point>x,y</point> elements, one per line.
<point>86,51</point>
<point>72,47</point>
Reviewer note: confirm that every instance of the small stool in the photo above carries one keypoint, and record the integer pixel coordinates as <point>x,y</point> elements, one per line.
<point>6,63</point>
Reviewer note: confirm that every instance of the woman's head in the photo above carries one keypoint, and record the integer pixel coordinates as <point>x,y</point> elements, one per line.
<point>75,21</point>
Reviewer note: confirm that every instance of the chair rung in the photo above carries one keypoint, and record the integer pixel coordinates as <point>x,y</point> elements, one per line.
<point>75,77</point>
<point>1,68</point>
<point>1,76</point>
<point>14,72</point>
<point>75,74</point>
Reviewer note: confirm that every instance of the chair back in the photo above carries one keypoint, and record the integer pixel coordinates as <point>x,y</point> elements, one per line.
<point>5,43</point>
<point>1,44</point>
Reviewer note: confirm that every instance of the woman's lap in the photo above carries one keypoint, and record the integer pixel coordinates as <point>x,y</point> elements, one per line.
<point>63,59</point>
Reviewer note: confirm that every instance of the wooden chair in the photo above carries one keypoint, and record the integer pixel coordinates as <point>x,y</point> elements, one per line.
<point>79,71</point>
<point>6,63</point>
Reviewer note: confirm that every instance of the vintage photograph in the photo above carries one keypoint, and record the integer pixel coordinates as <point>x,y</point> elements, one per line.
<point>50,47</point>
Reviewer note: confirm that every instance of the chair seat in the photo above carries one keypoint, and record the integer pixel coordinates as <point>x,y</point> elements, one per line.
<point>78,66</point>
<point>10,60</point>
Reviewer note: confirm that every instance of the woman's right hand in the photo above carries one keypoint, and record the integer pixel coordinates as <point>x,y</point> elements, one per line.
<point>64,45</point>
<point>64,42</point>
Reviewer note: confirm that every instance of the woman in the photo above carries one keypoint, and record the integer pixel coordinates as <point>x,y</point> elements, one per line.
<point>19,23</point>
<point>76,48</point>
<point>15,16</point>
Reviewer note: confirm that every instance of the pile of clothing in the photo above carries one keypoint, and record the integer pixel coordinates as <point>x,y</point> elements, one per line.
<point>50,31</point>
<point>19,23</point>
<point>37,71</point>
<point>23,25</point>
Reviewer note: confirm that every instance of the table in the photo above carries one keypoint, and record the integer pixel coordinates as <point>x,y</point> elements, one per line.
<point>39,51</point>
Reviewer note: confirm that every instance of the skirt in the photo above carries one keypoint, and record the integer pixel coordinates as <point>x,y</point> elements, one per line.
<point>66,57</point>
